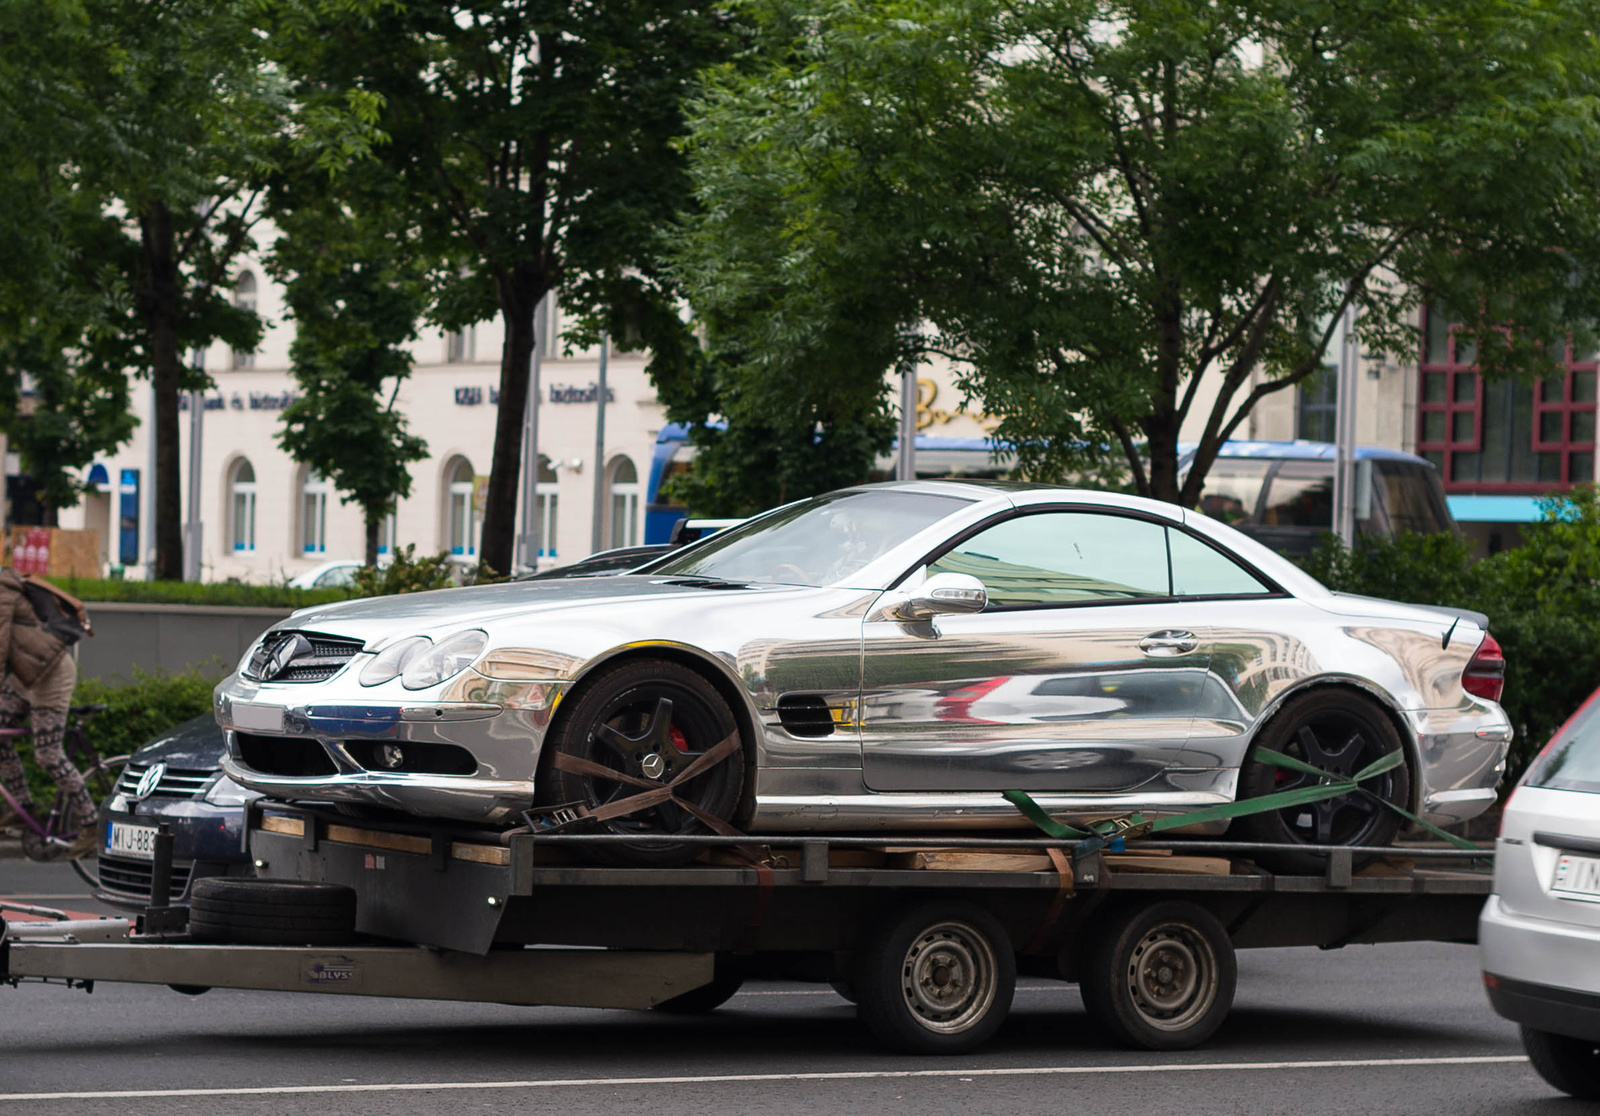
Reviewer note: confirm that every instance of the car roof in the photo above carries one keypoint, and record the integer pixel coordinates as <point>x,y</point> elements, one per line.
<point>1300,450</point>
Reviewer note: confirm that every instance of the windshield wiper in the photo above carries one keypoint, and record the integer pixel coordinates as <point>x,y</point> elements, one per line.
<point>698,582</point>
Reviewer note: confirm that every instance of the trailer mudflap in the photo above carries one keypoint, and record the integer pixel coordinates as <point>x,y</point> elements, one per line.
<point>559,977</point>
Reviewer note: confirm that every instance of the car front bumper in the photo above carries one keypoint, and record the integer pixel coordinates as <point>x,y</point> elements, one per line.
<point>468,755</point>
<point>1539,972</point>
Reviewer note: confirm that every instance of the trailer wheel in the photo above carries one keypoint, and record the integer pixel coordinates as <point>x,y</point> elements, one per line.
<point>937,980</point>
<point>846,990</point>
<point>649,719</point>
<point>706,998</point>
<point>1160,976</point>
<point>271,912</point>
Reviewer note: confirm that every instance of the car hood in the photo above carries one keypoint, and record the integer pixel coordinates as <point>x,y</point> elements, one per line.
<point>195,745</point>
<point>376,619</point>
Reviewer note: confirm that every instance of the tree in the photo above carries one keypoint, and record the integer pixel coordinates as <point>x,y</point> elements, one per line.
<point>1115,215</point>
<point>355,292</point>
<point>531,144</point>
<point>151,119</point>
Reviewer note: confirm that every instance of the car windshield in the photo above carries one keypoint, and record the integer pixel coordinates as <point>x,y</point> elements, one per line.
<point>1572,761</point>
<point>816,542</point>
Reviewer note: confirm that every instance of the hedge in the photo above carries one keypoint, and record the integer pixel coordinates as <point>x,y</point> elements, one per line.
<point>197,592</point>
<point>1542,600</point>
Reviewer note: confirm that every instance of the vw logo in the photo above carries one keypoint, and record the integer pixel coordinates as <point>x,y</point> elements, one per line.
<point>150,780</point>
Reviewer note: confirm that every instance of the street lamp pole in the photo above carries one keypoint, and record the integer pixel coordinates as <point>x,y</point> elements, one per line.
<point>532,529</point>
<point>193,530</point>
<point>906,460</point>
<point>600,449</point>
<point>1344,433</point>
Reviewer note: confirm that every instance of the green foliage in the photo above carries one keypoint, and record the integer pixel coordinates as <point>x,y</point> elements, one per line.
<point>234,593</point>
<point>140,709</point>
<point>355,292</point>
<point>1090,205</point>
<point>406,573</point>
<point>1542,600</point>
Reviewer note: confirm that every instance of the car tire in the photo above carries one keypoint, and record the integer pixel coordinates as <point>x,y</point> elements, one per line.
<point>1570,1064</point>
<point>271,912</point>
<point>1334,730</point>
<point>651,719</point>
<point>1160,976</point>
<point>938,979</point>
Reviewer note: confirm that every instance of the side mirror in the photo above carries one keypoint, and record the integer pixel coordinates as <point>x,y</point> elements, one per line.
<point>942,594</point>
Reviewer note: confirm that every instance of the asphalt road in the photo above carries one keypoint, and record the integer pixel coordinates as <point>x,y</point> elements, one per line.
<point>1372,1030</point>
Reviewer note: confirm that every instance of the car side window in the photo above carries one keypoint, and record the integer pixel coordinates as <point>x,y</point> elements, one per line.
<point>1199,570</point>
<point>1064,558</point>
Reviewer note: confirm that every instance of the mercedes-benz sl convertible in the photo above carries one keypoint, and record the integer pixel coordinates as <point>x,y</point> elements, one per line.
<point>884,658</point>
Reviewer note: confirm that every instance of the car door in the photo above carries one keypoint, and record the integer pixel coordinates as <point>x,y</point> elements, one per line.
<point>1082,674</point>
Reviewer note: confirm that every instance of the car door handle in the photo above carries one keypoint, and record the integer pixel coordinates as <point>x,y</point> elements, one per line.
<point>1169,643</point>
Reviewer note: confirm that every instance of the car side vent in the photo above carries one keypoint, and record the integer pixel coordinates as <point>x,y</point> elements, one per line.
<point>805,715</point>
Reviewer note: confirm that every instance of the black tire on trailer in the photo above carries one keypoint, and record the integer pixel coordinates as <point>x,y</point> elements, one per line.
<point>706,998</point>
<point>271,912</point>
<point>1335,730</point>
<point>651,719</point>
<point>1159,976</point>
<point>191,989</point>
<point>1570,1064</point>
<point>937,979</point>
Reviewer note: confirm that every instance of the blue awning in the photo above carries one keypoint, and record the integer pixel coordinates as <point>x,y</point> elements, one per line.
<point>1495,509</point>
<point>98,474</point>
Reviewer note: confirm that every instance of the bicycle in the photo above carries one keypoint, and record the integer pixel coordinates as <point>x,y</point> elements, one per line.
<point>47,839</point>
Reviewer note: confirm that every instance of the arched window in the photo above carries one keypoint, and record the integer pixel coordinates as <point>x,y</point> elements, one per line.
<point>313,514</point>
<point>544,494</point>
<point>244,297</point>
<point>624,503</point>
<point>242,489</point>
<point>459,536</point>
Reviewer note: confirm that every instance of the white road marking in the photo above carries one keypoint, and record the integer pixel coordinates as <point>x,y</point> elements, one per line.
<point>758,1078</point>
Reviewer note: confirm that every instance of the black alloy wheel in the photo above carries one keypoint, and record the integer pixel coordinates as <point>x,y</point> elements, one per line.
<point>1341,733</point>
<point>648,720</point>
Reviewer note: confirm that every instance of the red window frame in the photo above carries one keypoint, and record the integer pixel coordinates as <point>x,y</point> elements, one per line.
<point>1561,404</point>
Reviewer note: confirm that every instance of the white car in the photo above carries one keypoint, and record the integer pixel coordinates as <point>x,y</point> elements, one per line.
<point>1539,934</point>
<point>338,573</point>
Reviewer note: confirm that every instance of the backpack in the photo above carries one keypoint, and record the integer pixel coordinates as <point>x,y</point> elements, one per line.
<point>59,612</point>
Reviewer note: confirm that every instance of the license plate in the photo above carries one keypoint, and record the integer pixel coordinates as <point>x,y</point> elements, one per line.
<point>1577,877</point>
<point>257,718</point>
<point>138,841</point>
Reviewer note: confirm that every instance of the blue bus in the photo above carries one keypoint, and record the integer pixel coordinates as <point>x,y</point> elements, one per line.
<point>1280,493</point>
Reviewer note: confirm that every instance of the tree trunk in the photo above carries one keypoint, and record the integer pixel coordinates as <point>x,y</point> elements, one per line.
<point>1161,434</point>
<point>373,524</point>
<point>520,293</point>
<point>157,303</point>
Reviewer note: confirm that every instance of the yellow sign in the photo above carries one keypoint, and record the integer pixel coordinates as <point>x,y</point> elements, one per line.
<point>928,414</point>
<point>480,494</point>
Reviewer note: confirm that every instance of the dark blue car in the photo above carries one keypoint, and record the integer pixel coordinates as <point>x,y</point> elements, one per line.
<point>177,779</point>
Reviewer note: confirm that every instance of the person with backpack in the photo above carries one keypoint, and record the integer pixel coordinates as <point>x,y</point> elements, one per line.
<point>38,626</point>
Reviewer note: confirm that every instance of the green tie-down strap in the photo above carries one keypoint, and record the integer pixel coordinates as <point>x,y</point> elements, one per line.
<point>1115,831</point>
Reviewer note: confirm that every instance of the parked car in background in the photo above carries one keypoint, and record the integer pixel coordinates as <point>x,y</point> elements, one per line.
<point>1539,935</point>
<point>175,779</point>
<point>844,648</point>
<point>1281,493</point>
<point>337,573</point>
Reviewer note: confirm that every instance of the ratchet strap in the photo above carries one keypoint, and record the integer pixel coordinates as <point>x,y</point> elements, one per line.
<point>653,793</point>
<point>1112,834</point>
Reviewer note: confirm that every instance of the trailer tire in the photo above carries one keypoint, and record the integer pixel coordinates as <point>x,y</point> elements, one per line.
<point>1336,730</point>
<point>706,998</point>
<point>938,979</point>
<point>1159,976</point>
<point>271,912</point>
<point>648,718</point>
<point>845,989</point>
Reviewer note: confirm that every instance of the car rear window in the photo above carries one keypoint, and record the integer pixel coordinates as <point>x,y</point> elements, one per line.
<point>1572,761</point>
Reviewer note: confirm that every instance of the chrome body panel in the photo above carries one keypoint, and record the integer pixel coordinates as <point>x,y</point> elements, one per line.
<point>932,718</point>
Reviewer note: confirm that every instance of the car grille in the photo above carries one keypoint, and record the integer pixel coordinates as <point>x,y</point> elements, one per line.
<point>290,656</point>
<point>130,879</point>
<point>176,782</point>
<point>283,755</point>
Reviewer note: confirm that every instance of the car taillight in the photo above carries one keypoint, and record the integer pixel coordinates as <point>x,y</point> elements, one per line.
<point>1485,675</point>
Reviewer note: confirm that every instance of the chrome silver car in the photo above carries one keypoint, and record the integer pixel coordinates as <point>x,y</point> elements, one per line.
<point>1539,934</point>
<point>884,658</point>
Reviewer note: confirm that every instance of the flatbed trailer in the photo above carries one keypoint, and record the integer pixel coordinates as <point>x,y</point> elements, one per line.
<point>926,935</point>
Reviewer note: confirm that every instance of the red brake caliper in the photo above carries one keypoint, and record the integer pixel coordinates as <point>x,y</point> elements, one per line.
<point>679,741</point>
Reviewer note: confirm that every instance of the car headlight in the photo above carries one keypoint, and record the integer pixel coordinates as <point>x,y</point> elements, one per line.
<point>445,659</point>
<point>389,662</point>
<point>225,792</point>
